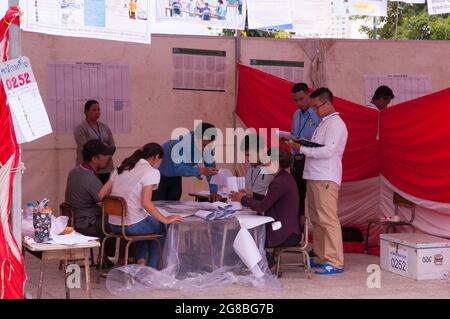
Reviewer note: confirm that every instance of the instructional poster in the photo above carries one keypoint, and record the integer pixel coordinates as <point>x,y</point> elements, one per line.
<point>227,14</point>
<point>121,20</point>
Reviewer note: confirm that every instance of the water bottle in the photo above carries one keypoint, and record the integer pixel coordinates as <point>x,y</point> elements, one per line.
<point>28,211</point>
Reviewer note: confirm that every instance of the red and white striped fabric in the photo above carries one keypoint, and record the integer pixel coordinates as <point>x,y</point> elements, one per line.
<point>12,271</point>
<point>407,153</point>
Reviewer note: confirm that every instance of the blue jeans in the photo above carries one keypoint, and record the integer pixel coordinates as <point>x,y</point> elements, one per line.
<point>145,249</point>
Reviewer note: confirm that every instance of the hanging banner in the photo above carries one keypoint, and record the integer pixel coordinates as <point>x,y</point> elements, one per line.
<point>409,1</point>
<point>101,19</point>
<point>438,6</point>
<point>372,8</point>
<point>28,111</point>
<point>269,14</point>
<point>227,14</point>
<point>310,18</point>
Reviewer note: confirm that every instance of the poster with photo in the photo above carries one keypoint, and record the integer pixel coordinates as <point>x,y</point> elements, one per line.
<point>227,14</point>
<point>120,20</point>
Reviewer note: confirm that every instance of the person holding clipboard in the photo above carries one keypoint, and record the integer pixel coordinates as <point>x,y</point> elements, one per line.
<point>304,123</point>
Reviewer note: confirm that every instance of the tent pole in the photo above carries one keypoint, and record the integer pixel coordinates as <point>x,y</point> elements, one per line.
<point>16,203</point>
<point>237,61</point>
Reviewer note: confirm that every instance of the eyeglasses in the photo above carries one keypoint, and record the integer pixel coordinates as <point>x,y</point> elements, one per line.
<point>317,106</point>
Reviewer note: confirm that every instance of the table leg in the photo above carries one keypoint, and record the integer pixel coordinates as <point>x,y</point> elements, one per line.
<point>224,239</point>
<point>41,277</point>
<point>211,245</point>
<point>65,279</point>
<point>88,272</point>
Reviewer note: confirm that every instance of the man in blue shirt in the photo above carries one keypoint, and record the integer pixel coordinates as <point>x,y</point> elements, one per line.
<point>182,157</point>
<point>304,123</point>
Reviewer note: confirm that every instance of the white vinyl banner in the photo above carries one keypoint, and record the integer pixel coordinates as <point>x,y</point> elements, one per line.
<point>438,6</point>
<point>101,19</point>
<point>373,8</point>
<point>275,14</point>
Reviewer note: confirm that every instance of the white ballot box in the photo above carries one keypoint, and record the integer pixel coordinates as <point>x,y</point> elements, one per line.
<point>417,256</point>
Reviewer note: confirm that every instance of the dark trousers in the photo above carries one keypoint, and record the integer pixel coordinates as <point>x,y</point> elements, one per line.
<point>95,230</point>
<point>297,173</point>
<point>292,241</point>
<point>170,188</point>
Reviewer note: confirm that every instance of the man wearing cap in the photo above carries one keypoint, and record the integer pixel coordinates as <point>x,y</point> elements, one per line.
<point>182,160</point>
<point>83,187</point>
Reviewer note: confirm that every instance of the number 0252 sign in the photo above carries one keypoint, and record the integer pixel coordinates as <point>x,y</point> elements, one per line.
<point>398,259</point>
<point>29,116</point>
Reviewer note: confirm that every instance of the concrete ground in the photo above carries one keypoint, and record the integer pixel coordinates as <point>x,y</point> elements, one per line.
<point>350,284</point>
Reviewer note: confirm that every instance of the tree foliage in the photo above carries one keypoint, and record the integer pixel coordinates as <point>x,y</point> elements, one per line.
<point>410,21</point>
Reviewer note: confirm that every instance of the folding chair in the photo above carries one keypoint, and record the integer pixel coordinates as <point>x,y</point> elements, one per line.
<point>304,261</point>
<point>390,224</point>
<point>117,206</point>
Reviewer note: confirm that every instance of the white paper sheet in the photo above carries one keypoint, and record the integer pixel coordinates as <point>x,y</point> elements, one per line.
<point>167,214</point>
<point>283,134</point>
<point>70,239</point>
<point>251,221</point>
<point>245,247</point>
<point>29,115</point>
<point>101,19</point>
<point>220,179</point>
<point>202,213</point>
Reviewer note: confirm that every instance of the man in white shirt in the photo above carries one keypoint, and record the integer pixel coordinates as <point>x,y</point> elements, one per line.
<point>323,172</point>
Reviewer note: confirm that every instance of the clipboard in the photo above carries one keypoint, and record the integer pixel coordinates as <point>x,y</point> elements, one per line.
<point>307,143</point>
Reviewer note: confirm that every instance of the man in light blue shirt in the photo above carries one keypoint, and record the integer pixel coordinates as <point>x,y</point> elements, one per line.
<point>304,123</point>
<point>181,159</point>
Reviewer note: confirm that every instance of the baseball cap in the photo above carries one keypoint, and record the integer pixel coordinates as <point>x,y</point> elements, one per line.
<point>96,147</point>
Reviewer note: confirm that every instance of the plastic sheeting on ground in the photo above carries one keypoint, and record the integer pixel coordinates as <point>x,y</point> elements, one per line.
<point>202,253</point>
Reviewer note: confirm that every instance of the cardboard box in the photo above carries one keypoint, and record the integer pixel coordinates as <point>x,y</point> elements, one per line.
<point>417,256</point>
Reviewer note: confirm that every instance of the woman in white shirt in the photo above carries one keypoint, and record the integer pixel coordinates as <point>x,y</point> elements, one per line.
<point>135,180</point>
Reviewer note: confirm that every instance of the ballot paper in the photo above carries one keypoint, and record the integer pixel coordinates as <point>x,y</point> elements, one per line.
<point>220,178</point>
<point>165,213</point>
<point>283,134</point>
<point>234,184</point>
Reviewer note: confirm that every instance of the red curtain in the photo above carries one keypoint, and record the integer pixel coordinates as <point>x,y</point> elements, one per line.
<point>12,272</point>
<point>412,152</point>
<point>264,101</point>
<point>415,146</point>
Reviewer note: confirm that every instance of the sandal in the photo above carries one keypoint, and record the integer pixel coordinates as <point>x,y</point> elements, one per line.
<point>329,270</point>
